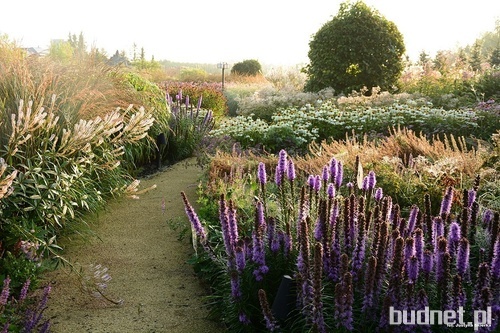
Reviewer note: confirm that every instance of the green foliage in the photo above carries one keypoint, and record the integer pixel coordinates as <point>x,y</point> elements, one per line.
<point>190,74</point>
<point>357,48</point>
<point>210,93</point>
<point>249,67</point>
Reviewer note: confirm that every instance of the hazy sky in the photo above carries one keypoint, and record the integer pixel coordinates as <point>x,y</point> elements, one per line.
<point>203,31</point>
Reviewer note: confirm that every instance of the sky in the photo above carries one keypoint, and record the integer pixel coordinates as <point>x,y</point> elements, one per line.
<point>275,32</point>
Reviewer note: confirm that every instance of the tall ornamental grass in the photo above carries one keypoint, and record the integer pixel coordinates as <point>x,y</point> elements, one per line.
<point>351,253</point>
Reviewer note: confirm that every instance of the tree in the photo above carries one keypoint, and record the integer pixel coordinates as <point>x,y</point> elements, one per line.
<point>247,67</point>
<point>357,48</point>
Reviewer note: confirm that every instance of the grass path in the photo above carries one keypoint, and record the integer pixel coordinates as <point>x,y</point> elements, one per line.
<point>147,264</point>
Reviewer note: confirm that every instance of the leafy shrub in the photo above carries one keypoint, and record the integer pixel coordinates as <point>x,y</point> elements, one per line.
<point>357,48</point>
<point>211,94</point>
<point>247,67</point>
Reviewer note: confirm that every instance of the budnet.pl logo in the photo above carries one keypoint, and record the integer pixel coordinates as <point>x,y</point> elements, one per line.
<point>450,318</point>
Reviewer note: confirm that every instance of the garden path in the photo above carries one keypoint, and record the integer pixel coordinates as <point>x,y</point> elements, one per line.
<point>147,263</point>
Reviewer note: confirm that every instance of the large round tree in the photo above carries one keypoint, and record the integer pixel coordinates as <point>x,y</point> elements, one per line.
<point>357,48</point>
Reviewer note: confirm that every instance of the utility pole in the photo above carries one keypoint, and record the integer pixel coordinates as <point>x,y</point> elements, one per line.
<point>223,66</point>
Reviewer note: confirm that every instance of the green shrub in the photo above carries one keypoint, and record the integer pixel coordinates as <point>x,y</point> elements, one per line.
<point>357,48</point>
<point>249,67</point>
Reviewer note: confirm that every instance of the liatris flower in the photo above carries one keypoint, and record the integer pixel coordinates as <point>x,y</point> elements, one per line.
<point>333,169</point>
<point>437,231</point>
<point>24,291</point>
<point>422,305</point>
<point>453,238</point>
<point>409,248</point>
<point>339,174</point>
<point>271,324</point>
<point>379,194</point>
<point>364,185</point>
<point>442,248</point>
<point>232,224</point>
<point>445,279</point>
<point>239,254</point>
<point>427,263</point>
<point>317,314</point>
<point>368,300</point>
<point>413,218</point>
<point>281,167</point>
<point>359,250</point>
<point>291,170</point>
<point>331,191</point>
<point>187,102</point>
<point>381,253</point>
<point>462,257</point>
<point>235,285</point>
<point>458,295</point>
<point>193,218</point>
<point>471,198</point>
<point>243,318</point>
<point>199,102</point>
<point>226,233</point>
<point>482,281</point>
<point>419,245</point>
<point>311,181</point>
<point>258,253</point>
<point>6,327</point>
<point>344,299</point>
<point>372,180</point>
<point>4,296</point>
<point>446,203</point>
<point>325,174</point>
<point>428,217</point>
<point>261,174</point>
<point>495,262</point>
<point>487,218</point>
<point>413,269</point>
<point>317,183</point>
<point>495,229</point>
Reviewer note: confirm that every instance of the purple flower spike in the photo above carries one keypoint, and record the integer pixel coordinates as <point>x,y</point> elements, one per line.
<point>325,175</point>
<point>446,202</point>
<point>453,238</point>
<point>291,171</point>
<point>261,173</point>
<point>495,263</point>
<point>340,174</point>
<point>372,180</point>
<point>333,169</point>
<point>427,262</point>
<point>180,95</point>
<point>244,319</point>
<point>331,191</point>
<point>239,253</point>
<point>413,218</point>
<point>472,197</point>
<point>463,257</point>
<point>413,269</point>
<point>4,296</point>
<point>199,102</point>
<point>379,194</point>
<point>365,184</point>
<point>193,218</point>
<point>317,183</point>
<point>187,102</point>
<point>24,291</point>
<point>281,167</point>
<point>487,217</point>
<point>310,181</point>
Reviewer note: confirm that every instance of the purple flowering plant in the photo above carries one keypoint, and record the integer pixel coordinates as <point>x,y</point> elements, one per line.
<point>352,253</point>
